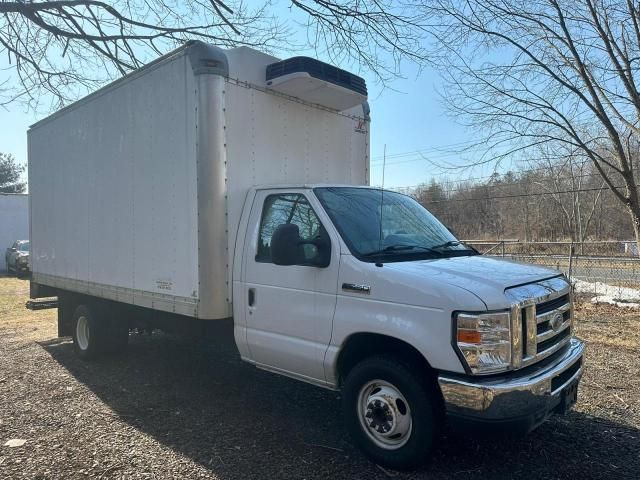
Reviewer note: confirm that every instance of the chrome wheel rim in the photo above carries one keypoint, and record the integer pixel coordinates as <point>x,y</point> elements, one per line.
<point>384,414</point>
<point>82,333</point>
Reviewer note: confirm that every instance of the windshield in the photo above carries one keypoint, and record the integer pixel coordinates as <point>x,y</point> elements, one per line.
<point>23,247</point>
<point>387,224</point>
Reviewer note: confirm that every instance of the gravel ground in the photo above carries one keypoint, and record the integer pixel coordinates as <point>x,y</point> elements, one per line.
<point>170,410</point>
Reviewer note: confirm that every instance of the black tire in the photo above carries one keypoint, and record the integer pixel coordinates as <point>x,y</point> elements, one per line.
<point>94,342</point>
<point>418,389</point>
<point>105,335</point>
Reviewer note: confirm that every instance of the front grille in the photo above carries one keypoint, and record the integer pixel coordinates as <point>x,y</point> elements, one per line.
<point>545,319</point>
<point>544,326</point>
<point>553,341</point>
<point>549,305</point>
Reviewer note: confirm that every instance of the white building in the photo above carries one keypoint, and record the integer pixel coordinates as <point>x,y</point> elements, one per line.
<point>14,221</point>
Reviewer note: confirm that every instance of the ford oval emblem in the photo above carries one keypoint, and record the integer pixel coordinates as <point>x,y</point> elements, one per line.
<point>556,322</point>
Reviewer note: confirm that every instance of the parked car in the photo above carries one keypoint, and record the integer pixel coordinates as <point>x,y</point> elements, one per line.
<point>17,257</point>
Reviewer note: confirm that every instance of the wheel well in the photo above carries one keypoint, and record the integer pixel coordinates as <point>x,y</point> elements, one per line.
<point>362,345</point>
<point>67,303</point>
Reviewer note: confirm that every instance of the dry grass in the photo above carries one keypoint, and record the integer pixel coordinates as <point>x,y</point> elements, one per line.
<point>607,325</point>
<point>18,323</point>
<point>612,335</point>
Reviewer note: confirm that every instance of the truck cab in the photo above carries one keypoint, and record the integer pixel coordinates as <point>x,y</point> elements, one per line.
<point>363,290</point>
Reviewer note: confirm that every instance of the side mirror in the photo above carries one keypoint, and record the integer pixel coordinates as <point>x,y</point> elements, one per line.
<point>285,245</point>
<point>323,248</point>
<point>287,248</point>
<point>14,249</point>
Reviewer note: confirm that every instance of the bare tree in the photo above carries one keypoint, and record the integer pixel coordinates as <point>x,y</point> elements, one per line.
<point>552,72</point>
<point>377,35</point>
<point>570,185</point>
<point>61,49</point>
<point>549,201</point>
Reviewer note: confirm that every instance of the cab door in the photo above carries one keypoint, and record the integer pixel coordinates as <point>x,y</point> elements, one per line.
<point>289,309</point>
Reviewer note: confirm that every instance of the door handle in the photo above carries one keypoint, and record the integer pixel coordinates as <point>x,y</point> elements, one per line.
<point>252,297</point>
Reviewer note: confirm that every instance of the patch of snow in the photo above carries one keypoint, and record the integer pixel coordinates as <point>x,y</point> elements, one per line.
<point>619,296</point>
<point>614,301</point>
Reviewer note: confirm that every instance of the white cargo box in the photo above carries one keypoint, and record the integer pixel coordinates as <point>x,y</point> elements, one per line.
<point>137,190</point>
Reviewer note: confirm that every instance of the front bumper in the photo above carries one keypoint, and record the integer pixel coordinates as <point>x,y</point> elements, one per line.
<point>518,400</point>
<point>22,268</point>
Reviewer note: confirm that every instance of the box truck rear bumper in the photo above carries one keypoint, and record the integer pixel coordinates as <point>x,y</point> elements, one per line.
<point>518,401</point>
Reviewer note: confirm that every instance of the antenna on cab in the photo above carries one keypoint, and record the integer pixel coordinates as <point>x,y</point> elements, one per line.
<point>384,165</point>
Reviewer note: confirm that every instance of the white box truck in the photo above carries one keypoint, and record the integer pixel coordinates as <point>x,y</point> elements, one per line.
<point>230,186</point>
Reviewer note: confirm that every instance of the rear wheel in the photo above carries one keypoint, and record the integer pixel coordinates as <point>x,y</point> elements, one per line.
<point>391,411</point>
<point>89,335</point>
<point>95,335</point>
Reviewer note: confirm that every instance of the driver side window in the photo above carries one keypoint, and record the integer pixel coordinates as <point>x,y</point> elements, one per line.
<point>288,208</point>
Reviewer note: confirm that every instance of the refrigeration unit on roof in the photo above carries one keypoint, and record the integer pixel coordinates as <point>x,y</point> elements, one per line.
<point>317,82</point>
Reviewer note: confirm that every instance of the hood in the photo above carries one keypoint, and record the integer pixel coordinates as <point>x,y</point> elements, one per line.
<point>485,277</point>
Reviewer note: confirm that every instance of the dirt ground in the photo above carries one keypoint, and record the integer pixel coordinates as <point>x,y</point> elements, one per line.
<point>170,410</point>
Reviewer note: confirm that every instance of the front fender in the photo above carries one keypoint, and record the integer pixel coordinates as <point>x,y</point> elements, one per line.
<point>428,330</point>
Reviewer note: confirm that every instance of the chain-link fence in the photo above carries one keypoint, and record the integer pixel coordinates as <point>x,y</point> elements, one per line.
<point>603,268</point>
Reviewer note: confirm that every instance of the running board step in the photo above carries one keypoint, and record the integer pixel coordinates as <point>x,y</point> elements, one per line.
<point>42,303</point>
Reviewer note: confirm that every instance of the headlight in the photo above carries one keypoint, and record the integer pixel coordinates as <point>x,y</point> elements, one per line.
<point>484,339</point>
<point>23,260</point>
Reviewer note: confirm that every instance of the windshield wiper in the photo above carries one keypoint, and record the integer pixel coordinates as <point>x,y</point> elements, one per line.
<point>455,243</point>
<point>399,248</point>
<point>450,243</point>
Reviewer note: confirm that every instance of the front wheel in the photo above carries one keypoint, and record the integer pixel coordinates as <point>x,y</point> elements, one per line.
<point>391,411</point>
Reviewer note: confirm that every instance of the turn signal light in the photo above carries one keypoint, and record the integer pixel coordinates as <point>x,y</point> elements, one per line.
<point>469,336</point>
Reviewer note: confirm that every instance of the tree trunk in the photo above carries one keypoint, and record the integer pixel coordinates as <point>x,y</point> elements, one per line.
<point>635,220</point>
<point>634,212</point>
